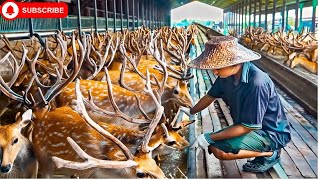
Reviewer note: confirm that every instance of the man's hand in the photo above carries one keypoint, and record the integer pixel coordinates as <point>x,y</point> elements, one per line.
<point>201,142</point>
<point>185,110</point>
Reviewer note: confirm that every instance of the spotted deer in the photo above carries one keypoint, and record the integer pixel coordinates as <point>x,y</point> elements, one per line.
<point>303,51</point>
<point>56,121</point>
<point>17,154</point>
<point>105,147</point>
<point>33,97</point>
<point>172,140</point>
<point>126,99</point>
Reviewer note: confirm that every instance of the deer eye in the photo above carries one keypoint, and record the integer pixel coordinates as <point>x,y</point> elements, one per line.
<point>15,141</point>
<point>171,143</point>
<point>141,175</point>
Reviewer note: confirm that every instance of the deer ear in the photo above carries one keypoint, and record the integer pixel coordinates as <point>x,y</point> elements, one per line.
<point>185,123</point>
<point>25,120</point>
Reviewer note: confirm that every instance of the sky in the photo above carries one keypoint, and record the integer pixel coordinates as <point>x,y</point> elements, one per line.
<point>197,10</point>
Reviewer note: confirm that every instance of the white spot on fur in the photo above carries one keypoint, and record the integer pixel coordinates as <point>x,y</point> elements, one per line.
<point>59,144</point>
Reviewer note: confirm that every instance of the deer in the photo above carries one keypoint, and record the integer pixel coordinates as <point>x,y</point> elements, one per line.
<point>42,115</point>
<point>38,97</point>
<point>17,154</point>
<point>111,150</point>
<point>136,78</point>
<point>100,97</point>
<point>171,131</point>
<point>304,52</point>
<point>295,49</point>
<point>55,123</point>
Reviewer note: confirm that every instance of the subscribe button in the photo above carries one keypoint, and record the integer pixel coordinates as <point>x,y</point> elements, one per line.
<point>11,10</point>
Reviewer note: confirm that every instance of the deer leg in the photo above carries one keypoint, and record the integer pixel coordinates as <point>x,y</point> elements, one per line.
<point>288,62</point>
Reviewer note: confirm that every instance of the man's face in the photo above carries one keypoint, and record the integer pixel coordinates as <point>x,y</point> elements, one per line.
<point>225,72</point>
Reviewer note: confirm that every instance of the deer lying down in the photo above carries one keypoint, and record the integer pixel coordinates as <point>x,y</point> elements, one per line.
<point>108,152</point>
<point>50,139</point>
<point>16,152</point>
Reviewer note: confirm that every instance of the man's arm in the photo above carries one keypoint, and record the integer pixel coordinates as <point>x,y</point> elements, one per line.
<point>204,102</point>
<point>231,132</point>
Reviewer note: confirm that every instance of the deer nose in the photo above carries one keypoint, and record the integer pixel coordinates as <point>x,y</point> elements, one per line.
<point>5,169</point>
<point>141,175</point>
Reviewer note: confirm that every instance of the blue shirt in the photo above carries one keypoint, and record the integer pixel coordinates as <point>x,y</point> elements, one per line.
<point>254,103</point>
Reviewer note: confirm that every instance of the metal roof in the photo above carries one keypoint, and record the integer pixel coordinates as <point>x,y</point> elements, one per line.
<point>227,3</point>
<point>217,3</point>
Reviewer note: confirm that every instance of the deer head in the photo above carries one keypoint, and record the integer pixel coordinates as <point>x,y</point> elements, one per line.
<point>12,141</point>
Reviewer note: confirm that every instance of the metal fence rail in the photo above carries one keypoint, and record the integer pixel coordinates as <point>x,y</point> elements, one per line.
<point>68,23</point>
<point>24,28</point>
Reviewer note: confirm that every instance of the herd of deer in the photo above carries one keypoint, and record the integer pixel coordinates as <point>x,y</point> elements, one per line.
<point>97,105</point>
<point>294,48</point>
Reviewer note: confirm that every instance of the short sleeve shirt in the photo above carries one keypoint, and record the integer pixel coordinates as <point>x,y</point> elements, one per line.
<point>254,103</point>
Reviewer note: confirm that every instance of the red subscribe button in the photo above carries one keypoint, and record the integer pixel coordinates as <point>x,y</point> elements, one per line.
<point>11,10</point>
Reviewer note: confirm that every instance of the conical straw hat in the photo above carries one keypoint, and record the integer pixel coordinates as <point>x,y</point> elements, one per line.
<point>223,51</point>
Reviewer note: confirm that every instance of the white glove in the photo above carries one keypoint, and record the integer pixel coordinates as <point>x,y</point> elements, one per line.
<point>185,110</point>
<point>201,142</point>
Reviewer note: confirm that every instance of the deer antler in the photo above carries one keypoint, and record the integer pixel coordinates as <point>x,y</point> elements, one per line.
<point>132,62</point>
<point>117,112</point>
<point>52,90</point>
<point>90,162</point>
<point>102,60</point>
<point>156,119</point>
